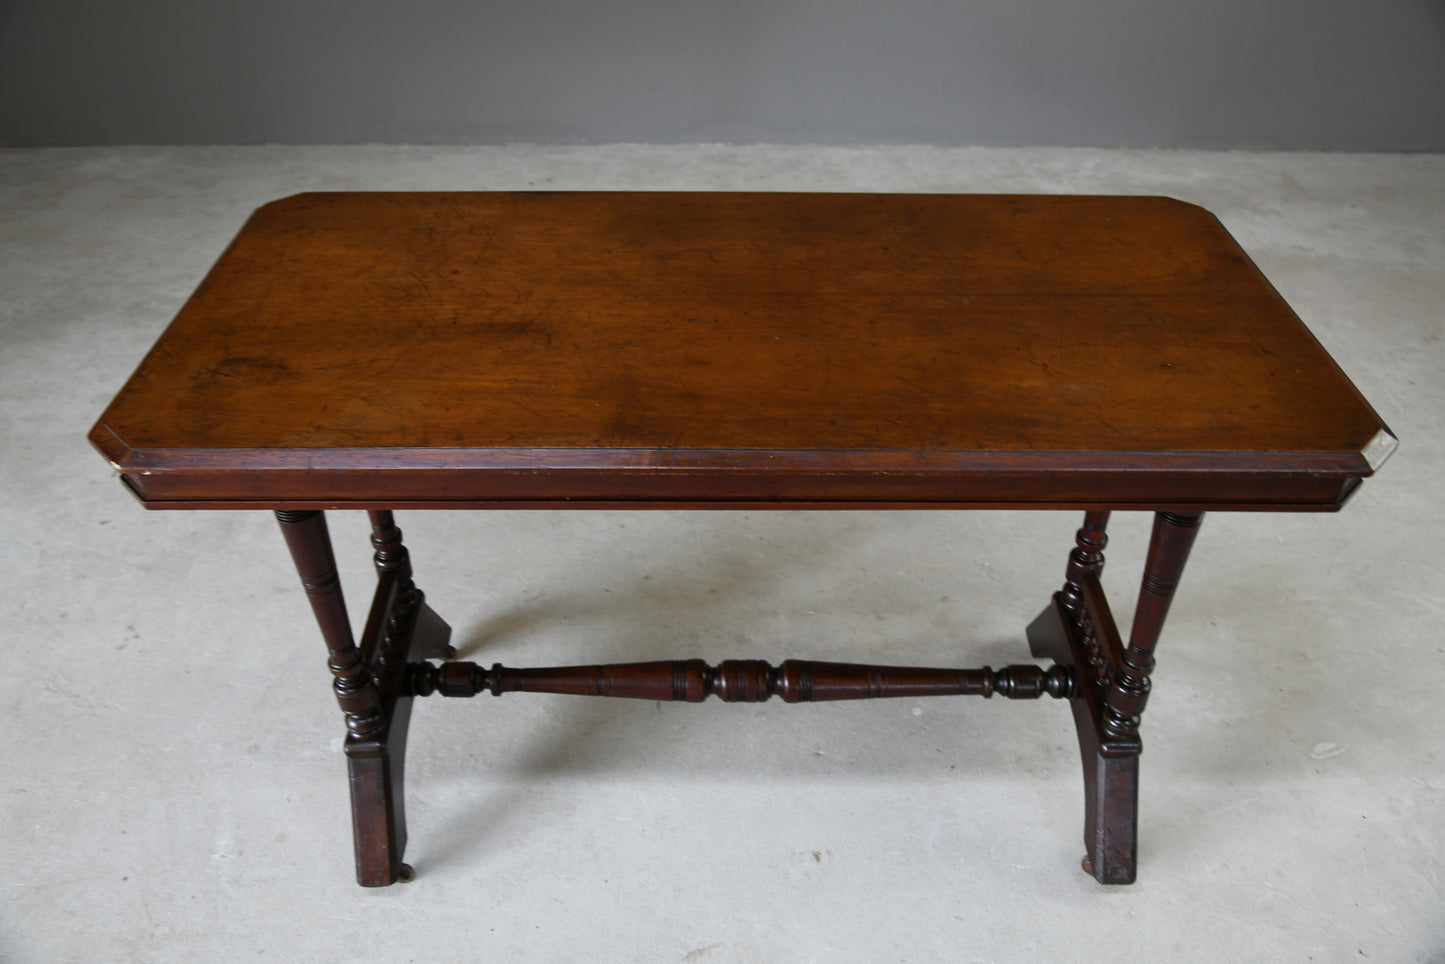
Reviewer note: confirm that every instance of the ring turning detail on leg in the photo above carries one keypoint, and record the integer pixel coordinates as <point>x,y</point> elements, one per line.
<point>705,350</point>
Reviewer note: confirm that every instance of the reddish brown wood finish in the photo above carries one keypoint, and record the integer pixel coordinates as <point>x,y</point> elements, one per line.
<point>723,350</point>
<point>371,679</point>
<point>310,545</point>
<point>1169,547</point>
<point>387,350</point>
<point>1086,564</point>
<point>1078,631</point>
<point>744,681</point>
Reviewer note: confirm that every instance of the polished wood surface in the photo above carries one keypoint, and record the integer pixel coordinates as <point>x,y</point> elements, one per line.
<point>744,681</point>
<point>776,350</point>
<point>458,350</point>
<point>371,680</point>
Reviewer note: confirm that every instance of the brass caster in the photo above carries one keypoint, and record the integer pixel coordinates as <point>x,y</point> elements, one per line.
<point>1088,865</point>
<point>406,874</point>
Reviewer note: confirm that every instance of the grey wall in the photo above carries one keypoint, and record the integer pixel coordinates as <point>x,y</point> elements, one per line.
<point>1293,74</point>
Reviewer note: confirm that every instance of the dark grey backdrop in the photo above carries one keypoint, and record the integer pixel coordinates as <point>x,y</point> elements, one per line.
<point>1291,74</point>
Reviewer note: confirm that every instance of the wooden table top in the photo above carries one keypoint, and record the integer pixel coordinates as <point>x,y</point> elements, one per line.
<point>471,349</point>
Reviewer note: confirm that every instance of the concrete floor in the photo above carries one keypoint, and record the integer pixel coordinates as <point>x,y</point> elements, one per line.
<point>171,787</point>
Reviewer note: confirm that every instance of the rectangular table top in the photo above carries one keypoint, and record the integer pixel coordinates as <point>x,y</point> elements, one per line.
<point>648,348</point>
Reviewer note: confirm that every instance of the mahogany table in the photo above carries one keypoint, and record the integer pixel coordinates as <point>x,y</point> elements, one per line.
<point>645,350</point>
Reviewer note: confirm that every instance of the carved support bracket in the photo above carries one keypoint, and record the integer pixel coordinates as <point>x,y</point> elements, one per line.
<point>1086,565</point>
<point>743,681</point>
<point>391,556</point>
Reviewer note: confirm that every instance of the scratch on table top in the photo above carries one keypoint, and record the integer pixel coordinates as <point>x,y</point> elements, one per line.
<point>1106,423</point>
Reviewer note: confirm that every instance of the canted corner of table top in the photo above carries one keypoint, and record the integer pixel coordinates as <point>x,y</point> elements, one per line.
<point>738,349</point>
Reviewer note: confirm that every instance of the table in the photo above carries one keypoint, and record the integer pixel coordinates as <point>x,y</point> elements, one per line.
<point>647,349</point>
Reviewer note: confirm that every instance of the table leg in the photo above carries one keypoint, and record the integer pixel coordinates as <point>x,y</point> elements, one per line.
<point>370,679</point>
<point>1169,547</point>
<point>1079,630</point>
<point>310,544</point>
<point>376,681</point>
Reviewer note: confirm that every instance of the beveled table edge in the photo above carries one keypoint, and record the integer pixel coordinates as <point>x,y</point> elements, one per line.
<point>660,477</point>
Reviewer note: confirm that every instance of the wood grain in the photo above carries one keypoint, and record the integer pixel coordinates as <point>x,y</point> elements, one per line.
<point>458,349</point>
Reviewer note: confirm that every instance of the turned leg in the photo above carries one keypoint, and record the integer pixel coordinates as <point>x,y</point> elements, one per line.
<point>1169,547</point>
<point>310,544</point>
<point>1111,834</point>
<point>1068,632</point>
<point>370,679</point>
<point>392,558</point>
<point>1079,630</point>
